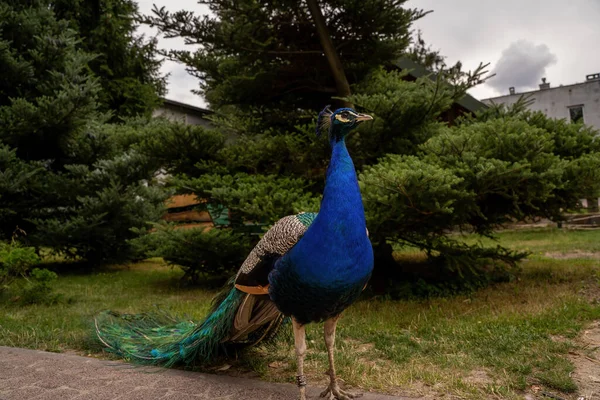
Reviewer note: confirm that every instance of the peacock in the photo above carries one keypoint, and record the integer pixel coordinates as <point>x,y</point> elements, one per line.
<point>308,266</point>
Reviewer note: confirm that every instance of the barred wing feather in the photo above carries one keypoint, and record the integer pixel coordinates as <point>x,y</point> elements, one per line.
<point>253,275</point>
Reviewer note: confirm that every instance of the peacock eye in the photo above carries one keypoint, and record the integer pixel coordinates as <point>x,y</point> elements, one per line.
<point>345,114</point>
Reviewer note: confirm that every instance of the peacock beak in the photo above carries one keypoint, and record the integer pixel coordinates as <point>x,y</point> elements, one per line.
<point>363,118</point>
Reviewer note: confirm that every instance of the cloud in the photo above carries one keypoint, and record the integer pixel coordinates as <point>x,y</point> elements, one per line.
<point>473,31</point>
<point>181,85</point>
<point>521,65</point>
<point>179,82</point>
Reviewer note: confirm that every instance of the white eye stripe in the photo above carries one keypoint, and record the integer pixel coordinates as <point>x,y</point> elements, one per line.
<point>341,119</point>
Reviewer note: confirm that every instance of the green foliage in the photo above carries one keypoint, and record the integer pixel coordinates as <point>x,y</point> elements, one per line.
<point>88,210</point>
<point>19,182</point>
<point>572,140</point>
<point>477,176</point>
<point>19,280</point>
<point>250,176</point>
<point>15,262</point>
<point>44,104</point>
<point>38,288</point>
<point>266,91</point>
<point>178,148</point>
<point>405,114</point>
<point>507,165</point>
<point>422,54</point>
<point>96,225</point>
<point>46,92</point>
<point>267,56</point>
<point>258,198</point>
<point>66,177</point>
<point>453,268</point>
<point>125,63</point>
<point>199,252</point>
<point>265,153</point>
<point>576,144</point>
<point>404,196</point>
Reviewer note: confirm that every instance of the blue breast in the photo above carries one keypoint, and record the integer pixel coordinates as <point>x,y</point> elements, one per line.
<point>330,265</point>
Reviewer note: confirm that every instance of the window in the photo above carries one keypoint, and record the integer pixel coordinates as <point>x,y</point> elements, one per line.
<point>576,113</point>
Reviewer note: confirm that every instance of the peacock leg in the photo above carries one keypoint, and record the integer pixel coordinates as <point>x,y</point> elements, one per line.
<point>333,391</point>
<point>300,342</point>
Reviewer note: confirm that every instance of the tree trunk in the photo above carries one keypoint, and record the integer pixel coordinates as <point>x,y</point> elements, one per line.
<point>337,70</point>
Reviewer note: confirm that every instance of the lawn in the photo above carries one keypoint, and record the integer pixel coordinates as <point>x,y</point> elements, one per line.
<point>500,342</point>
<point>548,241</point>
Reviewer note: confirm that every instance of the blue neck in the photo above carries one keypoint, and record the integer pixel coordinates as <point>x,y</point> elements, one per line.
<point>341,197</point>
<point>335,248</point>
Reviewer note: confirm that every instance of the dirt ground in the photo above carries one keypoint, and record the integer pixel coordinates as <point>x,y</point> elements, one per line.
<point>587,363</point>
<point>573,254</point>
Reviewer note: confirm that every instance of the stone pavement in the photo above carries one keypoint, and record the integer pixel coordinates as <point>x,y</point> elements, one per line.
<point>31,374</point>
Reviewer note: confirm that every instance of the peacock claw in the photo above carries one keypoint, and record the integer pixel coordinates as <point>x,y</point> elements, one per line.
<point>333,392</point>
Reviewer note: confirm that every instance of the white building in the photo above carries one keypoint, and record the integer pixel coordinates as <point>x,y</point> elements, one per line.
<point>186,113</point>
<point>577,102</point>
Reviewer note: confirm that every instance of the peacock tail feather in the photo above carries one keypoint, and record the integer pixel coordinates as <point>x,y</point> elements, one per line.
<point>157,339</point>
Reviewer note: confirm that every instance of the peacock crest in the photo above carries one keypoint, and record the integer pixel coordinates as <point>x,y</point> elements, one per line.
<point>324,121</point>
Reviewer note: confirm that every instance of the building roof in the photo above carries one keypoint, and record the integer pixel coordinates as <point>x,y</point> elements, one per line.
<point>544,90</point>
<point>417,71</point>
<point>189,107</point>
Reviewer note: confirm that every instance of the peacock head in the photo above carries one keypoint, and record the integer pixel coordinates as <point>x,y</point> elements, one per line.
<point>339,123</point>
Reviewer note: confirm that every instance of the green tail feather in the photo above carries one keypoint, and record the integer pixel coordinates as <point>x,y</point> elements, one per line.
<point>160,340</point>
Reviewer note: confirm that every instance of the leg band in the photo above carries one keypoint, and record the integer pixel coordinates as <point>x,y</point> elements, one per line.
<point>301,380</point>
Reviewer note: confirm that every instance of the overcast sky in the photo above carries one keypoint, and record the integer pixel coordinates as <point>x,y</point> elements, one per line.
<point>524,40</point>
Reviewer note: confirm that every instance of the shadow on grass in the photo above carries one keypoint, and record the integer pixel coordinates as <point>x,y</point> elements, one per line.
<point>413,276</point>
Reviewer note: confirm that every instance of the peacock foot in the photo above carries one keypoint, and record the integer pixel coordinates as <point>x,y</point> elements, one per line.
<point>333,392</point>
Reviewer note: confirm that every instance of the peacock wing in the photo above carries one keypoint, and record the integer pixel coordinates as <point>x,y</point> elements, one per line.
<point>253,275</point>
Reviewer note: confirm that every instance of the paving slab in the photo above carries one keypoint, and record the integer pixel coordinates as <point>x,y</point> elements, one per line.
<point>38,375</point>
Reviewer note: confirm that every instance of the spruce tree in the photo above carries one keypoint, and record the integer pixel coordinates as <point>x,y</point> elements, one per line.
<point>125,62</point>
<point>267,55</point>
<point>67,178</point>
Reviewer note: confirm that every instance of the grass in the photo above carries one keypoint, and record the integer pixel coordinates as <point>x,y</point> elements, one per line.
<point>129,288</point>
<point>546,240</point>
<point>495,343</point>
